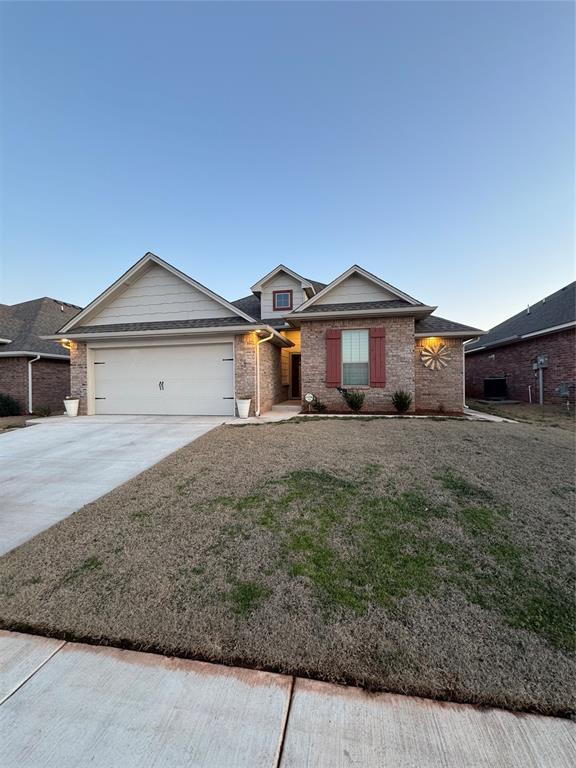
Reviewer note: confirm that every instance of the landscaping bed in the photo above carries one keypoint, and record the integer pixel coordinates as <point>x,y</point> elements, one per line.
<point>429,557</point>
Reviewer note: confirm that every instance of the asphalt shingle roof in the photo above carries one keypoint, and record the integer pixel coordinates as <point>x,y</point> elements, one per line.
<point>438,325</point>
<point>358,305</point>
<point>557,309</point>
<point>25,323</point>
<point>161,325</point>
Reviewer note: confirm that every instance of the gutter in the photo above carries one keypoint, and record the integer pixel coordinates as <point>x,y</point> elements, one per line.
<point>521,337</point>
<point>34,360</point>
<point>23,353</point>
<point>216,330</point>
<point>258,342</point>
<point>416,311</point>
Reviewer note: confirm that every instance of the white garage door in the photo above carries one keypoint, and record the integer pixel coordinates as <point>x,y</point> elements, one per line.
<point>171,380</point>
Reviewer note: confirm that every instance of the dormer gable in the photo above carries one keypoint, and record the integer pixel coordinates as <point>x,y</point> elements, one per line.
<point>281,291</point>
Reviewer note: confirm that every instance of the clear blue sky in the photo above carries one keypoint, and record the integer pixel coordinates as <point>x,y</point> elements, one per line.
<point>432,143</point>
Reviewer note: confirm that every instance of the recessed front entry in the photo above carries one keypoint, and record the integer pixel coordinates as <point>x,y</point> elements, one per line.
<point>192,379</point>
<point>295,363</point>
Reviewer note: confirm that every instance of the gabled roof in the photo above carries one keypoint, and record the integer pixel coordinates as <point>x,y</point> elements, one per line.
<point>355,269</point>
<point>312,285</point>
<point>134,271</point>
<point>23,325</point>
<point>551,313</point>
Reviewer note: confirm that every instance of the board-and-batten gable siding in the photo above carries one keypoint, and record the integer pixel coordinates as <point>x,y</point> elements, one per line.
<point>356,288</point>
<point>280,282</point>
<point>158,295</point>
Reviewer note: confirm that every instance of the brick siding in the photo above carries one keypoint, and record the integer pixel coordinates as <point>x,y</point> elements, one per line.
<point>399,361</point>
<point>79,376</point>
<point>50,382</point>
<point>442,390</point>
<point>514,362</point>
<point>271,387</point>
<point>14,380</point>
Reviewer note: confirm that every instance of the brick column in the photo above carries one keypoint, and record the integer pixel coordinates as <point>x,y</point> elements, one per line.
<point>79,375</point>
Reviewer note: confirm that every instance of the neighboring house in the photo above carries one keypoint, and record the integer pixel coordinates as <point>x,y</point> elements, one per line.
<point>33,370</point>
<point>158,342</point>
<point>529,356</point>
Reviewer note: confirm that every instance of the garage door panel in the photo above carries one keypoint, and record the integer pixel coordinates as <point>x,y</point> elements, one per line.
<point>171,380</point>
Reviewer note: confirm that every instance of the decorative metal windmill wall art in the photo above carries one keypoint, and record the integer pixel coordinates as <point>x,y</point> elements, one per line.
<point>435,357</point>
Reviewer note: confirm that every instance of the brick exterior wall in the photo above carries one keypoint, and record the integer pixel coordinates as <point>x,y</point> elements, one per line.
<point>79,376</point>
<point>399,361</point>
<point>14,380</point>
<point>50,382</point>
<point>271,388</point>
<point>514,361</point>
<point>442,390</point>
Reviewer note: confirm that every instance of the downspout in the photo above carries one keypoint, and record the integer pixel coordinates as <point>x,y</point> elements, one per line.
<point>33,360</point>
<point>258,342</point>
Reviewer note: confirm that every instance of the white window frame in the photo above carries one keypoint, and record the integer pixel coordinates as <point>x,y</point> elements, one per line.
<point>354,330</point>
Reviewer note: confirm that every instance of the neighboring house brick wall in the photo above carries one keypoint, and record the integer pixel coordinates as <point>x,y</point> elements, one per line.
<point>14,380</point>
<point>271,388</point>
<point>442,390</point>
<point>399,361</point>
<point>79,375</point>
<point>50,383</point>
<point>514,361</point>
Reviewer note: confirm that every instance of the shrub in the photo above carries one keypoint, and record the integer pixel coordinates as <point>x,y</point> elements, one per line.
<point>8,406</point>
<point>354,399</point>
<point>319,406</point>
<point>42,411</point>
<point>401,400</point>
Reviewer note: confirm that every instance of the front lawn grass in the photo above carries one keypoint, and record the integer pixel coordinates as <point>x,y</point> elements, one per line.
<point>426,557</point>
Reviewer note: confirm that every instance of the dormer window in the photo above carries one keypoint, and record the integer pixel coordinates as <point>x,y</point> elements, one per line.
<point>282,300</point>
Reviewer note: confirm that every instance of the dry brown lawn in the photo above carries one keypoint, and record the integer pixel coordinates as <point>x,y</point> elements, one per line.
<point>430,557</point>
<point>549,415</point>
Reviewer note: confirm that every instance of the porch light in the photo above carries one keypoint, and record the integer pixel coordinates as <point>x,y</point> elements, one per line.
<point>67,344</point>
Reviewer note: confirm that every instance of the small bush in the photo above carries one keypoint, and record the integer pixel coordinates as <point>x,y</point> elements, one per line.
<point>401,400</point>
<point>8,406</point>
<point>319,406</point>
<point>353,398</point>
<point>42,411</point>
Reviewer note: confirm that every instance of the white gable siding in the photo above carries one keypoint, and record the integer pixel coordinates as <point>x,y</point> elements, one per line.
<point>158,295</point>
<point>356,288</point>
<point>280,282</point>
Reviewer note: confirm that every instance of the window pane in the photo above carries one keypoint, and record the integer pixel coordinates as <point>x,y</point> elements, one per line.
<point>355,366</point>
<point>282,300</point>
<point>355,346</point>
<point>355,374</point>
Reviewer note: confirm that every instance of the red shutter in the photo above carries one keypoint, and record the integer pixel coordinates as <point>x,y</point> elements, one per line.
<point>333,357</point>
<point>377,357</point>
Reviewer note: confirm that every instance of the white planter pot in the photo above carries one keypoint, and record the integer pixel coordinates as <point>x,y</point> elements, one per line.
<point>71,407</point>
<point>243,408</point>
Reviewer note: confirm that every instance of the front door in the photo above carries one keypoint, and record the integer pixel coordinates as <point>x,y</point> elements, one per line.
<point>295,377</point>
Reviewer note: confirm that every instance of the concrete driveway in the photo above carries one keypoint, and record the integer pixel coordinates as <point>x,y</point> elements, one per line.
<point>51,469</point>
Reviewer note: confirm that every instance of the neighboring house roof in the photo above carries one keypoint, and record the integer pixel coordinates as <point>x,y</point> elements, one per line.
<point>552,313</point>
<point>24,324</point>
<point>435,326</point>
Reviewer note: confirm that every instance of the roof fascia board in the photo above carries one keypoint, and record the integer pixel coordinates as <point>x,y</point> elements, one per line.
<point>361,271</point>
<point>135,270</point>
<point>281,268</point>
<point>215,330</point>
<point>451,334</point>
<point>420,310</point>
<point>26,353</point>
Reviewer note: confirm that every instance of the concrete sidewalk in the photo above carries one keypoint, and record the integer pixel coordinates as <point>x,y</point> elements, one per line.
<point>64,705</point>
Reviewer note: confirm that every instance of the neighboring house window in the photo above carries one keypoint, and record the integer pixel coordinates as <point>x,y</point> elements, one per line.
<point>355,358</point>
<point>282,300</point>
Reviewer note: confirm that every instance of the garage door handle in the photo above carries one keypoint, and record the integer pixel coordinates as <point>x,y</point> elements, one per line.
<point>161,385</point>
